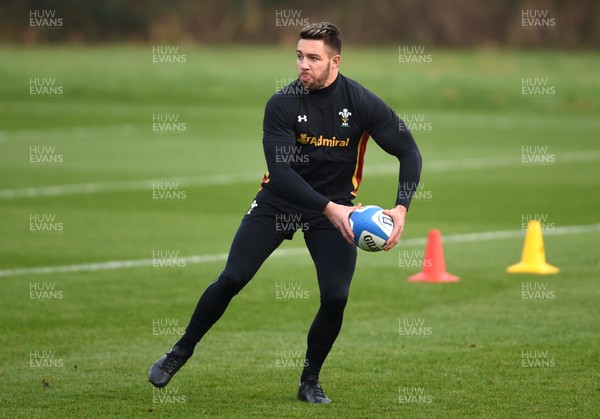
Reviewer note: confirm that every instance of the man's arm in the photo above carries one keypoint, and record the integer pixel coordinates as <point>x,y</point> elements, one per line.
<point>286,181</point>
<point>392,135</point>
<point>280,148</point>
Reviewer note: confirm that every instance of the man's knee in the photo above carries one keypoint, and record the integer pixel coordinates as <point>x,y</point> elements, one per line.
<point>334,302</point>
<point>231,283</point>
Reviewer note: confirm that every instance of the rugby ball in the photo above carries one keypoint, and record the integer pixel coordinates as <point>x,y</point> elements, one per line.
<point>371,228</point>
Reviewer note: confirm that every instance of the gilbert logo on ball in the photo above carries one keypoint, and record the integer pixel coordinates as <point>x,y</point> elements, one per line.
<point>371,227</point>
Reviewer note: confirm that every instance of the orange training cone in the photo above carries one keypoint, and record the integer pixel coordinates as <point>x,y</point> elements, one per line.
<point>533,259</point>
<point>434,266</point>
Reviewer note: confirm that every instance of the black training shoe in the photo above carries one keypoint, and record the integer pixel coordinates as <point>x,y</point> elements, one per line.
<point>165,368</point>
<point>311,391</point>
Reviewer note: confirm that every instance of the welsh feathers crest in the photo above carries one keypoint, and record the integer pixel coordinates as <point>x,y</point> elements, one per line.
<point>345,114</point>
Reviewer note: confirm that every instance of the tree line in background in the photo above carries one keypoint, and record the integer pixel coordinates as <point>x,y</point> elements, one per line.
<point>443,23</point>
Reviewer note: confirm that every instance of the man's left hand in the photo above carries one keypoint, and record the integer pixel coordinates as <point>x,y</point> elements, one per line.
<point>398,215</point>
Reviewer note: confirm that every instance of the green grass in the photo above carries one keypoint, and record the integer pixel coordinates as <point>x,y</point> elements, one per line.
<point>101,329</point>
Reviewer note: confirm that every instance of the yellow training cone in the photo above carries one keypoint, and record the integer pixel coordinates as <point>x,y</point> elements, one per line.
<point>533,259</point>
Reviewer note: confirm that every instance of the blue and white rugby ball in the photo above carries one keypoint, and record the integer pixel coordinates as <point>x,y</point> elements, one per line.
<point>371,227</point>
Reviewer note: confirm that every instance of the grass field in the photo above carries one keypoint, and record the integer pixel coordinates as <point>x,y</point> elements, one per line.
<point>78,341</point>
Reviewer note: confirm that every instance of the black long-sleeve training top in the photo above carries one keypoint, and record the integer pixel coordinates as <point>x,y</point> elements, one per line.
<point>315,143</point>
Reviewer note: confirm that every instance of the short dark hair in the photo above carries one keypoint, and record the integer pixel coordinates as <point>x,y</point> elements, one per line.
<point>327,32</point>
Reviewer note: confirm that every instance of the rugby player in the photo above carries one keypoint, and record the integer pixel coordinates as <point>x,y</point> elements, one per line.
<point>315,133</point>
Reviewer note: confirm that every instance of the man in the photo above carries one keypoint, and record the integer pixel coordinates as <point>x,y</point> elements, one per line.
<point>315,132</point>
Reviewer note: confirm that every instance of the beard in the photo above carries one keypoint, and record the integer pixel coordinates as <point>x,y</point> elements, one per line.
<point>317,82</point>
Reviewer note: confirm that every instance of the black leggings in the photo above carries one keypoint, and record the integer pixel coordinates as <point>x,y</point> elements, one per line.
<point>257,237</point>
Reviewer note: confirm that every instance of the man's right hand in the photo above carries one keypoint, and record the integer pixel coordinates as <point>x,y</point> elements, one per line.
<point>339,215</point>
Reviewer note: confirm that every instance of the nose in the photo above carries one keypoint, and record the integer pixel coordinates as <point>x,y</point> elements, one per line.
<point>303,64</point>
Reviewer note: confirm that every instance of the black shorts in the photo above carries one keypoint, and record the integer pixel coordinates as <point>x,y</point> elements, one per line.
<point>263,229</point>
<point>286,220</point>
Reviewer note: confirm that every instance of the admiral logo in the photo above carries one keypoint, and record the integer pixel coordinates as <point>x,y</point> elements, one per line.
<point>323,142</point>
<point>345,116</point>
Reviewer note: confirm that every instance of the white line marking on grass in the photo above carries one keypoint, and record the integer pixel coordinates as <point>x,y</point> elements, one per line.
<point>221,257</point>
<point>120,186</point>
<point>233,178</point>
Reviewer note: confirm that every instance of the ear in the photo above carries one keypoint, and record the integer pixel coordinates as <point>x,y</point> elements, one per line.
<point>335,61</point>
